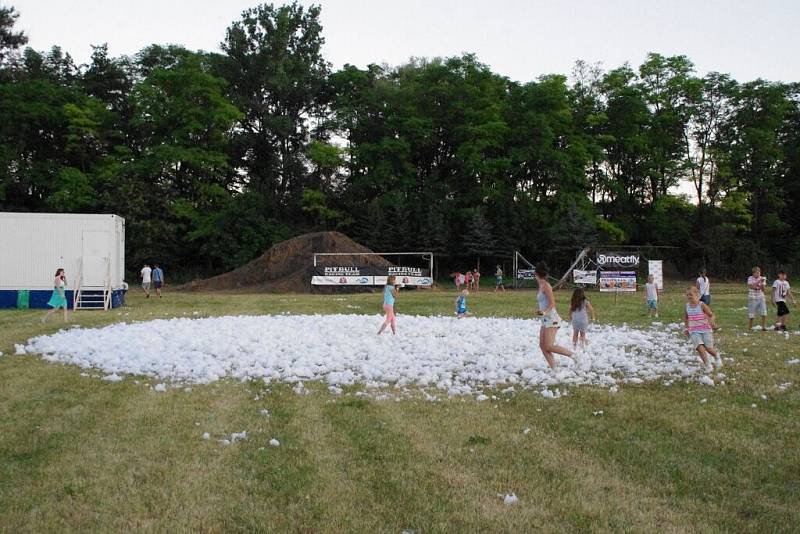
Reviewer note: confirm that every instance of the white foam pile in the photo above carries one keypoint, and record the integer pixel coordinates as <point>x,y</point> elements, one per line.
<point>458,356</point>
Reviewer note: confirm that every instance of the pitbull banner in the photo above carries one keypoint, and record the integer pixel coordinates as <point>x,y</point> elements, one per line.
<point>370,276</point>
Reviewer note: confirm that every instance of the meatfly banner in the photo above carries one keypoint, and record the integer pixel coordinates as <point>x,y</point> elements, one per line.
<point>617,260</point>
<point>370,276</point>
<point>617,281</point>
<point>584,277</point>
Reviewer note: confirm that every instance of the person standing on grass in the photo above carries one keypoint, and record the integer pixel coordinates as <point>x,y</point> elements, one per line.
<point>158,278</point>
<point>476,279</point>
<point>468,279</point>
<point>651,296</point>
<point>704,287</point>
<point>461,304</point>
<point>59,297</point>
<point>780,290</point>
<point>756,303</point>
<point>699,325</point>
<point>145,273</point>
<point>389,295</point>
<point>550,319</point>
<point>579,310</point>
<point>498,280</point>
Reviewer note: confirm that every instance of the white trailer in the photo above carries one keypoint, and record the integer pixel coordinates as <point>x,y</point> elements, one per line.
<point>90,247</point>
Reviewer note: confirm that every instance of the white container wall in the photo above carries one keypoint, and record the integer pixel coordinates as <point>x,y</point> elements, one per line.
<point>34,245</point>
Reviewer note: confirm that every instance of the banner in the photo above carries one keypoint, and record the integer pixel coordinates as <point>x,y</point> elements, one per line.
<point>584,277</point>
<point>526,274</point>
<point>617,281</point>
<point>617,261</point>
<point>656,268</point>
<point>370,276</point>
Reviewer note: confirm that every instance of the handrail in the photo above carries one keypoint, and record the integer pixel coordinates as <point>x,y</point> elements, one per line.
<point>107,289</point>
<point>76,297</point>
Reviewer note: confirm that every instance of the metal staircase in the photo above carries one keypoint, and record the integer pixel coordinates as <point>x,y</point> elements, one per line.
<point>93,297</point>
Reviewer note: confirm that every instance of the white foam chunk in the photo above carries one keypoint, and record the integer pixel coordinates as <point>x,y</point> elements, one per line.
<point>456,356</point>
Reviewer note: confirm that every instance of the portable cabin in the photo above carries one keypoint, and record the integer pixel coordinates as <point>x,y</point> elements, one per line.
<point>90,247</point>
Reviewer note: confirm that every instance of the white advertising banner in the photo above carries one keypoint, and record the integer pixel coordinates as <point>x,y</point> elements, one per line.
<point>656,268</point>
<point>617,281</point>
<point>584,277</point>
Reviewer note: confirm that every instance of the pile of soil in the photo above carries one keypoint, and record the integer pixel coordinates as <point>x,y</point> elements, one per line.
<point>288,267</point>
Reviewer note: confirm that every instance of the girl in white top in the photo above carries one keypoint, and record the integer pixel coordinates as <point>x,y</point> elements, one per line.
<point>704,287</point>
<point>550,319</point>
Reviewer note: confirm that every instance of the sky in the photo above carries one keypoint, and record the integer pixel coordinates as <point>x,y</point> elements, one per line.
<point>519,39</point>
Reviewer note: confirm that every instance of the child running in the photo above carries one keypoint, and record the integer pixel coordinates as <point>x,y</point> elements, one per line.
<point>579,310</point>
<point>550,319</point>
<point>651,296</point>
<point>699,322</point>
<point>780,291</point>
<point>389,295</point>
<point>498,280</point>
<point>461,305</point>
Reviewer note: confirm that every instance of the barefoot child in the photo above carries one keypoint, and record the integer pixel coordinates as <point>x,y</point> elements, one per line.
<point>651,296</point>
<point>756,303</point>
<point>781,290</point>
<point>550,319</point>
<point>699,321</point>
<point>389,295</point>
<point>579,310</point>
<point>498,280</point>
<point>461,304</point>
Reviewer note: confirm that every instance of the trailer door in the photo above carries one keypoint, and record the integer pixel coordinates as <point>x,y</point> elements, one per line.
<point>95,258</point>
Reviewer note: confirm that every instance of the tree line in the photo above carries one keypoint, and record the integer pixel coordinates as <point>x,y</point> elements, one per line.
<point>213,157</point>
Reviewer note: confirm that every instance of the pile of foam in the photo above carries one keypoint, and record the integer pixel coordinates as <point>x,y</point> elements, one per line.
<point>459,356</point>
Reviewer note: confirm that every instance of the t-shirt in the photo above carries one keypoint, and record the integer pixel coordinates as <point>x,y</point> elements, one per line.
<point>705,286</point>
<point>461,304</point>
<point>780,290</point>
<point>146,275</point>
<point>158,275</point>
<point>652,292</point>
<point>754,293</point>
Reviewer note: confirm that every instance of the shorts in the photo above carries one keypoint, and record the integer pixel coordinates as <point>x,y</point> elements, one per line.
<point>157,284</point>
<point>652,304</point>
<point>706,299</point>
<point>783,309</point>
<point>498,280</point>
<point>702,338</point>
<point>551,319</point>
<point>756,307</point>
<point>145,285</point>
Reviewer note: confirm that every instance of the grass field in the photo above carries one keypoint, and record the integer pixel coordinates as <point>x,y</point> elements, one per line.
<point>78,453</point>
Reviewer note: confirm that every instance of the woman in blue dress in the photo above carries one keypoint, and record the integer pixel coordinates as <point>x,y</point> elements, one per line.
<point>59,297</point>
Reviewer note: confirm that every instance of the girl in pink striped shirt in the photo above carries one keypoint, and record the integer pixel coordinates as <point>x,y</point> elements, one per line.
<point>699,321</point>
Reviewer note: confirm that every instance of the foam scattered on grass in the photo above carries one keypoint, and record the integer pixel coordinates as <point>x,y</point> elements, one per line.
<point>457,356</point>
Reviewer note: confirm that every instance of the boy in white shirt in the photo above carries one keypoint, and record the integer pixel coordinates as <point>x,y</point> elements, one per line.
<point>651,296</point>
<point>780,290</point>
<point>145,274</point>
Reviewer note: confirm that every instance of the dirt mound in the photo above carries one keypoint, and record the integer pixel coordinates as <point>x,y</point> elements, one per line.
<point>288,266</point>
